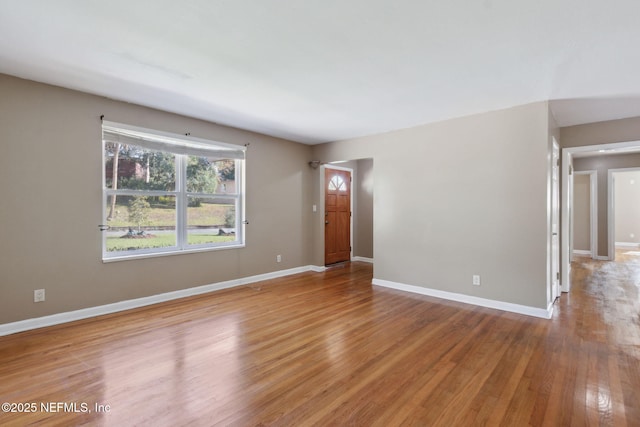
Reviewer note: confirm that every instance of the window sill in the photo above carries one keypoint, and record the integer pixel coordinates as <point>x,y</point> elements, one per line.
<point>169,253</point>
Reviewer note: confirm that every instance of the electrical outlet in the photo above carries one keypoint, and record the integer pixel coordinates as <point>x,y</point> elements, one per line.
<point>38,295</point>
<point>476,279</point>
<point>278,258</point>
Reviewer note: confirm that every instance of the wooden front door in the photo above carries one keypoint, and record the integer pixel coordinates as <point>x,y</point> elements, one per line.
<point>337,216</point>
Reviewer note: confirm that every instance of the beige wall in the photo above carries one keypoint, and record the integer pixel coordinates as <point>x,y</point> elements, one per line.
<point>581,212</point>
<point>452,199</point>
<point>601,133</point>
<point>51,205</point>
<point>461,197</point>
<point>602,164</point>
<point>363,245</point>
<point>627,207</point>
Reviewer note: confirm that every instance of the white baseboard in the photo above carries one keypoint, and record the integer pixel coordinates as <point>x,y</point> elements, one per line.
<point>627,245</point>
<point>363,259</point>
<point>581,252</point>
<point>468,299</point>
<point>602,258</point>
<point>70,316</point>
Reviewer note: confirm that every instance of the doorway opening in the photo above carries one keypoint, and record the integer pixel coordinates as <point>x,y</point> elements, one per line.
<point>361,206</point>
<point>624,210</point>
<point>337,214</point>
<point>604,225</point>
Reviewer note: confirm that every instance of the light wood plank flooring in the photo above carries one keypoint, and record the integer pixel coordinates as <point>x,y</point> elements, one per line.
<point>329,349</point>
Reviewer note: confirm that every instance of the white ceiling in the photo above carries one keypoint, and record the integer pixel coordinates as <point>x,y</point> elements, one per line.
<point>316,71</point>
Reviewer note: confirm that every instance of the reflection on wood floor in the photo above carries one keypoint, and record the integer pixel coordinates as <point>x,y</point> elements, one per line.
<point>330,349</point>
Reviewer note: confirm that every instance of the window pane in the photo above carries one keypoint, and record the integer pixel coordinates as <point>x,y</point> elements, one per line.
<point>210,175</point>
<point>210,220</point>
<point>138,222</point>
<point>337,183</point>
<point>139,168</point>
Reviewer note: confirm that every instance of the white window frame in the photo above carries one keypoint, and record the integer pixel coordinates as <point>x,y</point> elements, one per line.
<point>182,147</point>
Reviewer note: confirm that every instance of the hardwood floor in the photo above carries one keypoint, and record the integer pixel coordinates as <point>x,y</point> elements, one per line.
<point>330,349</point>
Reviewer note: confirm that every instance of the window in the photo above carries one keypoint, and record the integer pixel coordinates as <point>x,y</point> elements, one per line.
<point>337,183</point>
<point>166,193</point>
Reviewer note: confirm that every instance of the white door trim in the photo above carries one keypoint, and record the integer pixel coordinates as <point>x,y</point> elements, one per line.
<point>566,223</point>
